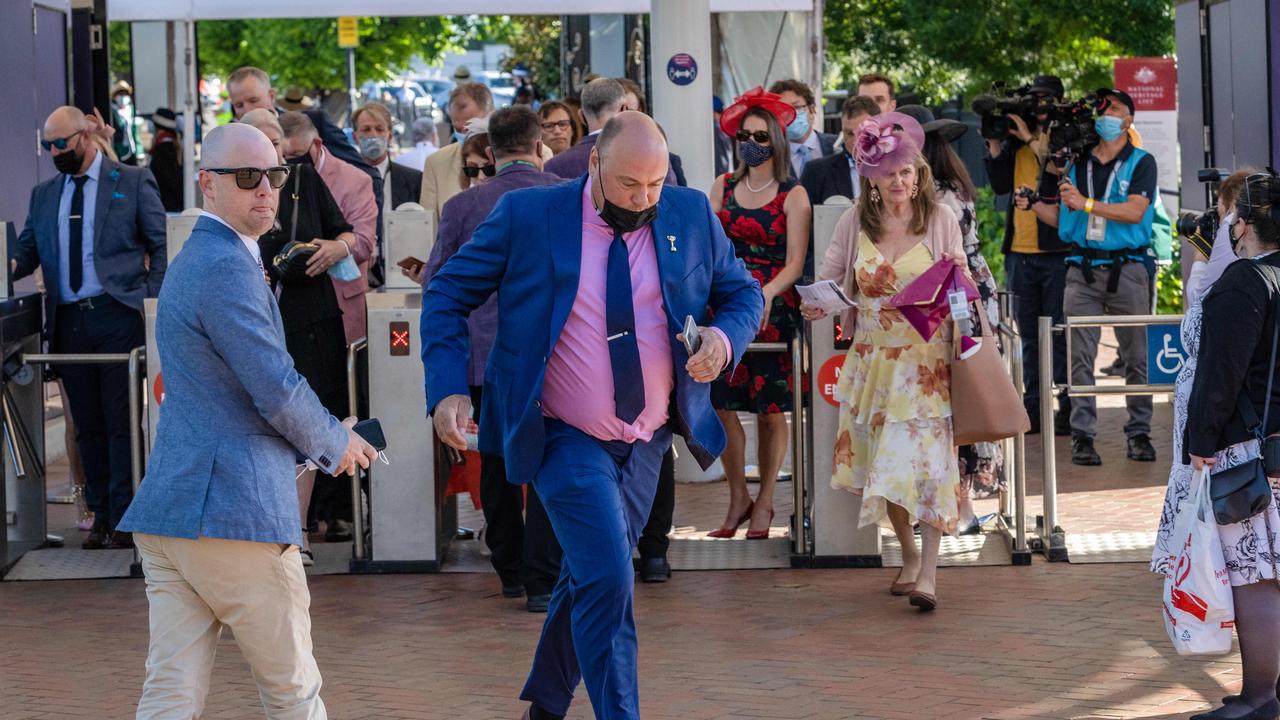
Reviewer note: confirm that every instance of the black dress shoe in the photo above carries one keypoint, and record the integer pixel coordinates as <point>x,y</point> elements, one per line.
<point>538,603</point>
<point>1269,711</point>
<point>1062,422</point>
<point>1140,449</point>
<point>533,712</point>
<point>120,541</point>
<point>98,537</point>
<point>655,570</point>
<point>1083,453</point>
<point>512,590</point>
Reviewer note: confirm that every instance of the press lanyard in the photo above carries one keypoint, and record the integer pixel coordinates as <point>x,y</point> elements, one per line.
<point>1106,193</point>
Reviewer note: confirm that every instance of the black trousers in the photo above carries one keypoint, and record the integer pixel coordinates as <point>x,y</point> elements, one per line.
<point>1038,283</point>
<point>653,539</point>
<point>98,397</point>
<point>522,545</point>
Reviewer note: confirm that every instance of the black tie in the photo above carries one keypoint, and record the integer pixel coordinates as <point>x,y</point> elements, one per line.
<point>75,252</point>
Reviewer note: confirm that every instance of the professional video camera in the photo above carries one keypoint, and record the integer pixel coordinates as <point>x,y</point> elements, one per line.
<point>1070,124</point>
<point>1200,228</point>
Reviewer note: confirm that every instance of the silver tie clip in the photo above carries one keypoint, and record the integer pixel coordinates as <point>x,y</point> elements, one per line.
<point>611,338</point>
<point>672,239</point>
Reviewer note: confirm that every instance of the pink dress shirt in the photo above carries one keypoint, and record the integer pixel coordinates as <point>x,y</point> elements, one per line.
<point>578,388</point>
<point>352,189</point>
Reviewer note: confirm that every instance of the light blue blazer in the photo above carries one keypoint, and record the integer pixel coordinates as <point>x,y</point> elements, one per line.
<point>234,410</point>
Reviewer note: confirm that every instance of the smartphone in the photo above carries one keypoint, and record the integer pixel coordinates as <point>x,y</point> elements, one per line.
<point>371,431</point>
<point>692,335</point>
<point>411,264</point>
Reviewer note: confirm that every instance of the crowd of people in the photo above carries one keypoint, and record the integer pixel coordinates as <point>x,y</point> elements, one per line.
<point>568,253</point>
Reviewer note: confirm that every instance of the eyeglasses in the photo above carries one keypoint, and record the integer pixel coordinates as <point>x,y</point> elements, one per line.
<point>248,178</point>
<point>60,143</point>
<point>760,136</point>
<point>557,125</point>
<point>472,171</point>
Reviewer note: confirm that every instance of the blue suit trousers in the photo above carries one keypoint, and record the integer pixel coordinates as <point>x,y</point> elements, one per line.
<point>597,495</point>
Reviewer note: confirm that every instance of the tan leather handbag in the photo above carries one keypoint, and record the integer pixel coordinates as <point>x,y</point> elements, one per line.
<point>985,407</point>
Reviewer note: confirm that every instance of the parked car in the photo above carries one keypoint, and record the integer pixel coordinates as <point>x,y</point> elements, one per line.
<point>501,85</point>
<point>439,88</point>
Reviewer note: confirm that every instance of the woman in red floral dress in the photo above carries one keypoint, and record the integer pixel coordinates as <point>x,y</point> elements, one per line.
<point>766,214</point>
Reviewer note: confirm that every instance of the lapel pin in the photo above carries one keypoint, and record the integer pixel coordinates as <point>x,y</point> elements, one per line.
<point>672,239</point>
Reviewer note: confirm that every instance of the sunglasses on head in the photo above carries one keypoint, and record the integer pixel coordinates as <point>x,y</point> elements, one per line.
<point>248,178</point>
<point>472,171</point>
<point>60,143</point>
<point>760,136</point>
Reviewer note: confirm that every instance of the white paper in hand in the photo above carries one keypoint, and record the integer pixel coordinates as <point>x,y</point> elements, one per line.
<point>825,295</point>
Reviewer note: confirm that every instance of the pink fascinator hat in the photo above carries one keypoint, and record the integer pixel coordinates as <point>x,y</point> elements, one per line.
<point>887,142</point>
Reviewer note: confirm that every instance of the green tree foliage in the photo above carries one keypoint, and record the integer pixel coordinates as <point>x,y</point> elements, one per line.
<point>534,41</point>
<point>945,48</point>
<point>119,50</point>
<point>305,52</point>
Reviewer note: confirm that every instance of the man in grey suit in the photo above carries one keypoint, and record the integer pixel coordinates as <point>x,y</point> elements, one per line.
<point>97,231</point>
<point>216,518</point>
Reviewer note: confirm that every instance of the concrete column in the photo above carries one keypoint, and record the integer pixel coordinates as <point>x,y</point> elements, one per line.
<point>684,111</point>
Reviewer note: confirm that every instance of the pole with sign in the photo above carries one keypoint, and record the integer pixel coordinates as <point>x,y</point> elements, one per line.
<point>349,38</point>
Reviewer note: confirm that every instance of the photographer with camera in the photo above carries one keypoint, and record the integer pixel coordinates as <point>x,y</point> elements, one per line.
<point>1034,255</point>
<point>1240,327</point>
<point>1103,206</point>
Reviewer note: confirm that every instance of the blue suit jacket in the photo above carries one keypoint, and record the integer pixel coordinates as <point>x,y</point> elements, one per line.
<point>234,408</point>
<point>128,227</point>
<point>529,252</point>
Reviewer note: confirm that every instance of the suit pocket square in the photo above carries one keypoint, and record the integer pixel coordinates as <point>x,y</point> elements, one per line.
<point>117,196</point>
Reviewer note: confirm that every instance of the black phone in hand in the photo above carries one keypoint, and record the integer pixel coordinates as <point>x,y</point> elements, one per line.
<point>371,431</point>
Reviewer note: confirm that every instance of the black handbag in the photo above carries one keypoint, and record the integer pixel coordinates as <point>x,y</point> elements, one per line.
<point>1244,490</point>
<point>290,263</point>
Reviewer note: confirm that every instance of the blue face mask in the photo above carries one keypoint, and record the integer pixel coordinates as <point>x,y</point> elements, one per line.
<point>459,136</point>
<point>1109,127</point>
<point>798,127</point>
<point>346,270</point>
<point>754,154</point>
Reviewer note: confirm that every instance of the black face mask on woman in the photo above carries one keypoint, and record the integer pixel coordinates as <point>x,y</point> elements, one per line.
<point>621,219</point>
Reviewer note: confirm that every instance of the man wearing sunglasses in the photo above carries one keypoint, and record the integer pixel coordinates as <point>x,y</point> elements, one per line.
<point>216,519</point>
<point>97,232</point>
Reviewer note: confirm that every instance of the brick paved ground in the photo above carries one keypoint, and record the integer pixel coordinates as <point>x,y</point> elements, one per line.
<point>1049,641</point>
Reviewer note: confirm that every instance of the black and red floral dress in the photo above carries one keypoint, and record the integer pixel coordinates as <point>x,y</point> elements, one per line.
<point>762,382</point>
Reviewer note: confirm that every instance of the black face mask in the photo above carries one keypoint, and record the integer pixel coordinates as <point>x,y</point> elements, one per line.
<point>303,159</point>
<point>68,162</point>
<point>623,220</point>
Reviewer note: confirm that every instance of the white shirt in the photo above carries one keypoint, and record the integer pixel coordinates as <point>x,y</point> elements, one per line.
<point>417,157</point>
<point>384,166</point>
<point>250,244</point>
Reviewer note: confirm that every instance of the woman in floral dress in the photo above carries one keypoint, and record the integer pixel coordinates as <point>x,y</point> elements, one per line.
<point>894,446</point>
<point>766,214</point>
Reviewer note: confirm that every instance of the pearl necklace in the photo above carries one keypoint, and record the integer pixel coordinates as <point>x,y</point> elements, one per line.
<point>746,180</point>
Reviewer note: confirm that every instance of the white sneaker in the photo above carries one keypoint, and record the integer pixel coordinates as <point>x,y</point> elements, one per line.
<point>307,558</point>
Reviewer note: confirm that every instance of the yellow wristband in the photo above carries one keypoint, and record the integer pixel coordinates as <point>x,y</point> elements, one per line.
<point>1088,206</point>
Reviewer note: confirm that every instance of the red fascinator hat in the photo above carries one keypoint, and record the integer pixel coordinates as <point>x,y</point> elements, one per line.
<point>731,118</point>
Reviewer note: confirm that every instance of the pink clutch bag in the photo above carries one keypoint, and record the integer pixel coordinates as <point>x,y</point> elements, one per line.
<point>924,302</point>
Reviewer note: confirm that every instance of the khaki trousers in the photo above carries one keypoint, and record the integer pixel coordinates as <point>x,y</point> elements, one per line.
<point>259,590</point>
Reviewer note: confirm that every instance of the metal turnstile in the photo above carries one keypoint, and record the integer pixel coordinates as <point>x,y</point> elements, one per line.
<point>408,231</point>
<point>836,539</point>
<point>412,521</point>
<point>22,451</point>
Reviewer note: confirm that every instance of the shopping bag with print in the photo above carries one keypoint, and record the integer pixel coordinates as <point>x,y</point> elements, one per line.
<point>1198,610</point>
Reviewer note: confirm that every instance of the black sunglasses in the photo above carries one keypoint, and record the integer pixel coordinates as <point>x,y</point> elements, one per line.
<point>248,178</point>
<point>760,136</point>
<point>60,143</point>
<point>472,171</point>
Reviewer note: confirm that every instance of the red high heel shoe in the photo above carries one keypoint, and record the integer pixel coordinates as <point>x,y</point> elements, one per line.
<point>729,532</point>
<point>760,534</point>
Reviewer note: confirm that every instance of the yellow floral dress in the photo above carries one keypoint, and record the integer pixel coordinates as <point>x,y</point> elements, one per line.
<point>895,444</point>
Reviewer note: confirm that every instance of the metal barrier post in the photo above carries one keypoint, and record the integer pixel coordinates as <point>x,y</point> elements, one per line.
<point>1004,300</point>
<point>353,407</point>
<point>799,468</point>
<point>1051,538</point>
<point>1018,461</point>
